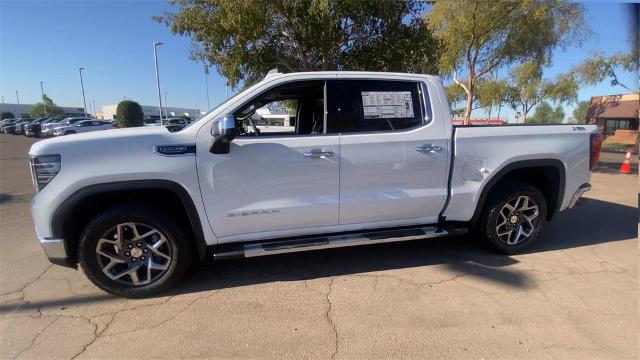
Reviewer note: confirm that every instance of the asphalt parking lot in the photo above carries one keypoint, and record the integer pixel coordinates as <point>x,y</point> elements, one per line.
<point>573,295</point>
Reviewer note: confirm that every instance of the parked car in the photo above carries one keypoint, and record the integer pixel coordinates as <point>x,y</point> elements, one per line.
<point>47,129</point>
<point>34,128</point>
<point>20,129</point>
<point>82,126</point>
<point>13,128</point>
<point>379,163</point>
<point>7,122</point>
<point>175,124</point>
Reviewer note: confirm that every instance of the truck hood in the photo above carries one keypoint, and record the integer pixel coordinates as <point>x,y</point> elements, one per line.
<point>103,141</point>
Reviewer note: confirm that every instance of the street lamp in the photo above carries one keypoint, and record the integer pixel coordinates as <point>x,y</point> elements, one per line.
<point>155,58</point>
<point>18,106</point>
<point>84,101</point>
<point>166,113</point>
<point>95,115</point>
<point>43,100</point>
<point>206,82</point>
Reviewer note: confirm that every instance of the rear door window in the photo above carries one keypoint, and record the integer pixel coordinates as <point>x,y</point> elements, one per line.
<point>379,105</point>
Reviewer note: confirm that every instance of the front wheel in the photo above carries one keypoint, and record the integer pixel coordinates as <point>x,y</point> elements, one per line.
<point>513,218</point>
<point>134,251</point>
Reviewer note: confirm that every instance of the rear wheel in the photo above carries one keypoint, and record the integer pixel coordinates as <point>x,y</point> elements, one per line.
<point>513,218</point>
<point>134,251</point>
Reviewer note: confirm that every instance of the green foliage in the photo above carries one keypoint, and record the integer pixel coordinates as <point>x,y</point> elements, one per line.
<point>600,67</point>
<point>244,39</point>
<point>527,88</point>
<point>580,113</point>
<point>546,114</point>
<point>37,110</point>
<point>129,114</point>
<point>492,92</point>
<point>6,115</point>
<point>480,36</point>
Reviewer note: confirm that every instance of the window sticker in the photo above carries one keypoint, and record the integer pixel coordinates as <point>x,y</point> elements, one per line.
<point>387,104</point>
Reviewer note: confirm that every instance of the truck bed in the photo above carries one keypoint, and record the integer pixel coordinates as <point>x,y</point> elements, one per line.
<point>481,152</point>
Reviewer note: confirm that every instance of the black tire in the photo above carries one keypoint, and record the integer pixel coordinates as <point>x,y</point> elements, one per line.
<point>173,231</point>
<point>490,218</point>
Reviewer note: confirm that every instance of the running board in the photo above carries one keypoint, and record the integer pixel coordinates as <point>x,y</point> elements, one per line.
<point>334,241</point>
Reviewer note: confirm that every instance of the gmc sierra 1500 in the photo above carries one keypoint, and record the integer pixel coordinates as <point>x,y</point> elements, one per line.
<point>345,158</point>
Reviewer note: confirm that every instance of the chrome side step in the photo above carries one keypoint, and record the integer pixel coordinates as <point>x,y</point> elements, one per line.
<point>335,241</point>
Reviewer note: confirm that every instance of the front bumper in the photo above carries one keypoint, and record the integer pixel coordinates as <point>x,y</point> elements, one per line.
<point>56,251</point>
<point>576,196</point>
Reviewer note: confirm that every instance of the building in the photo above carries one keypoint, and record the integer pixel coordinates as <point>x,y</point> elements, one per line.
<point>616,116</point>
<point>275,117</point>
<point>493,121</point>
<point>151,112</point>
<point>22,110</point>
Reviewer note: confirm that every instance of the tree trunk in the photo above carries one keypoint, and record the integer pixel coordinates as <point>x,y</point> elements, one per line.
<point>467,110</point>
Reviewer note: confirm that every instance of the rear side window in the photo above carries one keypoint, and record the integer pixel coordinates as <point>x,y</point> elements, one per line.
<point>379,105</point>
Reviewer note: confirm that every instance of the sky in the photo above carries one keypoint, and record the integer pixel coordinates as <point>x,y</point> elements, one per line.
<point>113,40</point>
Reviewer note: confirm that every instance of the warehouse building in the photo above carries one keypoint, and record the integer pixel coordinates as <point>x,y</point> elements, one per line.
<point>22,110</point>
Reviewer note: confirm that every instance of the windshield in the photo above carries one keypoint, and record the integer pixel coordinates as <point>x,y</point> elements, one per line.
<point>215,108</point>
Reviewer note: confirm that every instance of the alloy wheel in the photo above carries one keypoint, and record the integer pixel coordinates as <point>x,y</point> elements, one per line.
<point>134,254</point>
<point>517,220</point>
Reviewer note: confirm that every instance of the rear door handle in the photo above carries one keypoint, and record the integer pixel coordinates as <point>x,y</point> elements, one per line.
<point>318,153</point>
<point>430,148</point>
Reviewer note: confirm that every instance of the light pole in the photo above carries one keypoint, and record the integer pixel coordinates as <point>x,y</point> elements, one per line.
<point>166,113</point>
<point>94,109</point>
<point>155,58</point>
<point>206,82</point>
<point>84,101</point>
<point>18,106</point>
<point>44,102</point>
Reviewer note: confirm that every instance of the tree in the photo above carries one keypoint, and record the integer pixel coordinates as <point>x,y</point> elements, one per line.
<point>6,115</point>
<point>244,39</point>
<point>546,114</point>
<point>527,88</point>
<point>492,93</point>
<point>600,67</point>
<point>38,109</point>
<point>581,112</point>
<point>129,114</point>
<point>478,36</point>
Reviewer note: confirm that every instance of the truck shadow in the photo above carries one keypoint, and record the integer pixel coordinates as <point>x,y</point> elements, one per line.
<point>591,222</point>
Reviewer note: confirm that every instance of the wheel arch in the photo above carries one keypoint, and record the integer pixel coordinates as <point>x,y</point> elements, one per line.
<point>548,175</point>
<point>72,215</point>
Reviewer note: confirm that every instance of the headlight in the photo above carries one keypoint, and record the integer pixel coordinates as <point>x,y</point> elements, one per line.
<point>43,169</point>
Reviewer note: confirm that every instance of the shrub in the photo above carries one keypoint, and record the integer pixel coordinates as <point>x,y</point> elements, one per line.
<point>129,114</point>
<point>6,115</point>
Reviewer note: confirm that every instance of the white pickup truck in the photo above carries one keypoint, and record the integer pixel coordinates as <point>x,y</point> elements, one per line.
<point>361,158</point>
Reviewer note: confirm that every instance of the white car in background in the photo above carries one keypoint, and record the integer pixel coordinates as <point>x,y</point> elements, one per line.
<point>48,129</point>
<point>83,126</point>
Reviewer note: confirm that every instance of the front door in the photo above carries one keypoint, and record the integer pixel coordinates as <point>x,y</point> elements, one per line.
<point>394,155</point>
<point>282,172</point>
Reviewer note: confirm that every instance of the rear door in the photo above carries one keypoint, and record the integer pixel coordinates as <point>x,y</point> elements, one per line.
<point>394,154</point>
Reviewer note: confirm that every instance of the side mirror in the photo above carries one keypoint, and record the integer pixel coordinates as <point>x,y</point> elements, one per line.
<point>223,132</point>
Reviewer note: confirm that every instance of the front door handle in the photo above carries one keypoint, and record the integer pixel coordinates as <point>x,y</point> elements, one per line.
<point>318,153</point>
<point>430,148</point>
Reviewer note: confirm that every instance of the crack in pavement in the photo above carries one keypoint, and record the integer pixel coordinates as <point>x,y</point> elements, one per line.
<point>33,341</point>
<point>328,316</point>
<point>28,283</point>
